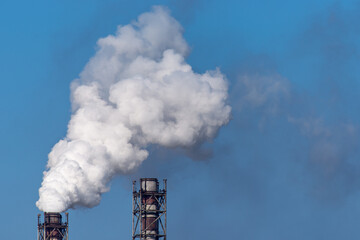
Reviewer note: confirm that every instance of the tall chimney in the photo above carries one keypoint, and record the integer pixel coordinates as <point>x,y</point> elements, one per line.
<point>53,228</point>
<point>149,210</point>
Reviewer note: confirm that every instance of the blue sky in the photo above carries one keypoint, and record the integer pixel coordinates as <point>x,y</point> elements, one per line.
<point>285,167</point>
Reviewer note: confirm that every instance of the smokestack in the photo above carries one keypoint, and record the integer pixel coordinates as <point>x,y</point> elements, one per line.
<point>149,210</point>
<point>53,227</point>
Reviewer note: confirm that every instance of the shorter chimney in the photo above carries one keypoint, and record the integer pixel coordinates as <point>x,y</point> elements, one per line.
<point>53,227</point>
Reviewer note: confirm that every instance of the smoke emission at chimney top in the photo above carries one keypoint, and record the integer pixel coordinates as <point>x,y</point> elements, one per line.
<point>135,91</point>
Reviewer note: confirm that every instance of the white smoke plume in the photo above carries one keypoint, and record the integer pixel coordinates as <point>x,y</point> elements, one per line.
<point>136,91</point>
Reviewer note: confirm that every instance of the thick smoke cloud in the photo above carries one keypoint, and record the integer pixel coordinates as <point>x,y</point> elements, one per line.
<point>136,91</point>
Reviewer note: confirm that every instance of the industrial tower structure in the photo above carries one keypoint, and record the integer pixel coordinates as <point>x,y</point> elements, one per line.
<point>53,227</point>
<point>149,210</point>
